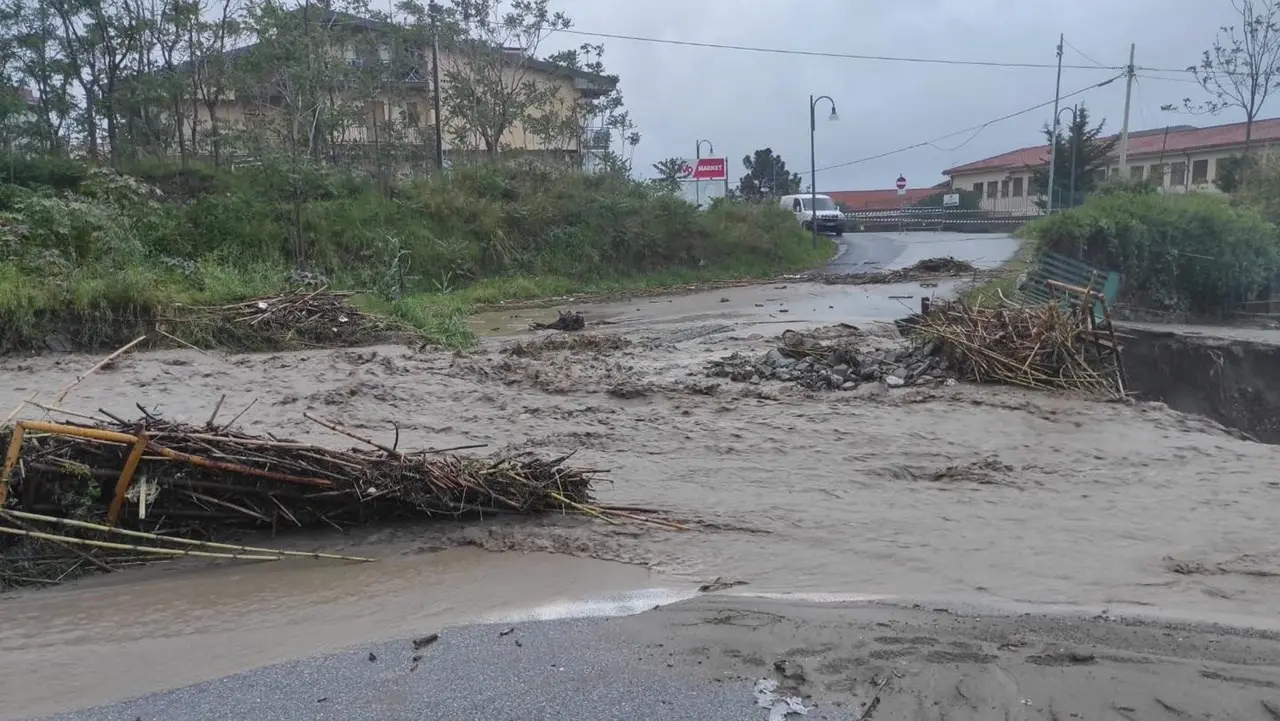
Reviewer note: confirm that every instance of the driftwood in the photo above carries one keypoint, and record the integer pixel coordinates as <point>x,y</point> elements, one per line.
<point>167,484</point>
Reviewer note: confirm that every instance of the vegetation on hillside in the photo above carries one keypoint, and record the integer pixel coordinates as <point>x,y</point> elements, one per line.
<point>1192,253</point>
<point>95,255</point>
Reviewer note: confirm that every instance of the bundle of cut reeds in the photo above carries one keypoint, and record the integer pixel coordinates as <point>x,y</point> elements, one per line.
<point>1045,347</point>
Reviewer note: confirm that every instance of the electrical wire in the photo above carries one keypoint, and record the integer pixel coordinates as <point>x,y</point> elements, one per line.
<point>974,129</point>
<point>1081,53</point>
<point>1192,81</point>
<point>833,55</point>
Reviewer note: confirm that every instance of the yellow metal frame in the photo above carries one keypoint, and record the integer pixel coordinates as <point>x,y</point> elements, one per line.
<point>140,444</point>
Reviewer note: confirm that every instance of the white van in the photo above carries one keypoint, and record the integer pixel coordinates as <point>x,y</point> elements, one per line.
<point>830,219</point>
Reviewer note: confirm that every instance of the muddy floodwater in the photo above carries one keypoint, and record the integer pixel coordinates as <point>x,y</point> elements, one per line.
<point>1020,500</point>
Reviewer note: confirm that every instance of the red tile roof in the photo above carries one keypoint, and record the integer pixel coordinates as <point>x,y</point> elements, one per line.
<point>880,199</point>
<point>1177,140</point>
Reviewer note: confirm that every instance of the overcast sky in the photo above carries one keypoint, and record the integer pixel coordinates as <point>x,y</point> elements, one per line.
<point>741,100</point>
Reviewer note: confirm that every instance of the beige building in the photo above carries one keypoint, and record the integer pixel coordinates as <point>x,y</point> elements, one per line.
<point>399,106</point>
<point>1178,159</point>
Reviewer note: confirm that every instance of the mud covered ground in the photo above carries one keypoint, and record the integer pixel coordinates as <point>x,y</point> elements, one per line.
<point>976,492</point>
<point>1019,501</point>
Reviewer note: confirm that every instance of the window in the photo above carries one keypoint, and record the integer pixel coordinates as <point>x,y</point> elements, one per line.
<point>1157,174</point>
<point>797,207</point>
<point>1017,187</point>
<point>977,190</point>
<point>1115,173</point>
<point>1135,172</point>
<point>819,203</point>
<point>1199,172</point>
<point>412,116</point>
<point>993,188</point>
<point>1178,174</point>
<point>1033,187</point>
<point>1222,166</point>
<point>1100,175</point>
<point>1004,188</point>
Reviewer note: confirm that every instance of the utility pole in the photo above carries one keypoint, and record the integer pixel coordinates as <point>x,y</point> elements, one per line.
<point>1053,149</point>
<point>435,85</point>
<point>1124,127</point>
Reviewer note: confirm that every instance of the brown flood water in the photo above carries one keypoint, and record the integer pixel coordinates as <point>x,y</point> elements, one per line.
<point>990,495</point>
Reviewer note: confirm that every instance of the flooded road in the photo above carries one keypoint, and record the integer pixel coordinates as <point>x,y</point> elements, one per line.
<point>790,302</point>
<point>986,495</point>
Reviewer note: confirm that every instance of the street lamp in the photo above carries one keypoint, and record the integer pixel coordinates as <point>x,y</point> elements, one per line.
<point>697,155</point>
<point>1071,197</point>
<point>813,160</point>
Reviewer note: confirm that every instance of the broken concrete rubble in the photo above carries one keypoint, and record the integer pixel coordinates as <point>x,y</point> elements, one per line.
<point>819,361</point>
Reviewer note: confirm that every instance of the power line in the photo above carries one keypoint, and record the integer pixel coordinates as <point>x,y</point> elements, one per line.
<point>974,129</point>
<point>1081,53</point>
<point>840,56</point>
<point>1192,81</point>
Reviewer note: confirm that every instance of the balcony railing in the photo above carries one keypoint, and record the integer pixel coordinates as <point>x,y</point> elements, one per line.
<point>596,139</point>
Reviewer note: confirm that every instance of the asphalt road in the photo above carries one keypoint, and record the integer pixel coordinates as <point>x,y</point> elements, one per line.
<point>865,252</point>
<point>574,669</point>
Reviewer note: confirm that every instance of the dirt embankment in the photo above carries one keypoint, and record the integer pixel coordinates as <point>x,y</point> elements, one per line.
<point>1233,381</point>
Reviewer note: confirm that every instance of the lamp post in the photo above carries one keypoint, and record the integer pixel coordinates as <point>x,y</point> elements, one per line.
<point>697,155</point>
<point>813,160</point>
<point>1071,196</point>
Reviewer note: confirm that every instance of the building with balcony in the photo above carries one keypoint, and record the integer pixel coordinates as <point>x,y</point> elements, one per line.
<point>1177,159</point>
<point>379,92</point>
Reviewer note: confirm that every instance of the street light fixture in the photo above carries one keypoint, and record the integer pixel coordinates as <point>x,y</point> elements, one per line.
<point>697,155</point>
<point>813,160</point>
<point>1071,197</point>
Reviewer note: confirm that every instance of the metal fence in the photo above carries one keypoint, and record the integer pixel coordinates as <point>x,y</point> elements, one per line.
<point>954,219</point>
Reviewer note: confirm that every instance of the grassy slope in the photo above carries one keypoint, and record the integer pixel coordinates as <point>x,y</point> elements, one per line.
<point>1005,281</point>
<point>98,258</point>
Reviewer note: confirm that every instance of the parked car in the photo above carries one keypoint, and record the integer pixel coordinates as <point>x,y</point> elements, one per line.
<point>830,219</point>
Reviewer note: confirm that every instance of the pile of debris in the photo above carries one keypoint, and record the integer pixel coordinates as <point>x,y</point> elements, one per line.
<point>567,321</point>
<point>929,268</point>
<point>1045,347</point>
<point>302,316</point>
<point>578,343</point>
<point>816,361</point>
<point>173,480</point>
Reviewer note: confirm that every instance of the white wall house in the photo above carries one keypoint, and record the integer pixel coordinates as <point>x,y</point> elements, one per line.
<point>1184,158</point>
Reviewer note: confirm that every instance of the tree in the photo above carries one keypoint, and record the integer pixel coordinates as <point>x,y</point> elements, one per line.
<point>587,118</point>
<point>1232,171</point>
<point>669,171</point>
<point>767,176</point>
<point>1243,66</point>
<point>1092,156</point>
<point>488,84</point>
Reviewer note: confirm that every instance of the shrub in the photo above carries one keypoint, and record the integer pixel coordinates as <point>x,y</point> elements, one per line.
<point>1192,252</point>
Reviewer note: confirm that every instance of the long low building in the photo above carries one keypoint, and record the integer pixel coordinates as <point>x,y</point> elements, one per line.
<point>1178,158</point>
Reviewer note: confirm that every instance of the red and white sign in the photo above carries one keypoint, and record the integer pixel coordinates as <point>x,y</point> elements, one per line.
<point>706,169</point>
<point>902,182</point>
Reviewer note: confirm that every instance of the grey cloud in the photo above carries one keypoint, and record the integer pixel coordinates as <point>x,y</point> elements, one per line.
<point>742,101</point>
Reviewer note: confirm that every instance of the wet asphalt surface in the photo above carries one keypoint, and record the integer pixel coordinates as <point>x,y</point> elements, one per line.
<point>867,252</point>
<point>574,669</point>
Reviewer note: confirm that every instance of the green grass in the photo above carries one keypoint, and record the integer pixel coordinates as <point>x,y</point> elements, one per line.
<point>97,258</point>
